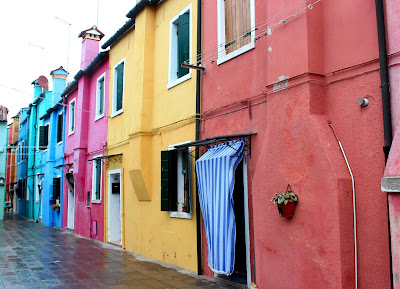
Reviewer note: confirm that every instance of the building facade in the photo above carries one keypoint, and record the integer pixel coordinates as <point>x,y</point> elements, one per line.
<point>51,141</point>
<point>11,196</point>
<point>282,83</point>
<point>21,161</point>
<point>152,109</point>
<point>86,100</point>
<point>3,157</point>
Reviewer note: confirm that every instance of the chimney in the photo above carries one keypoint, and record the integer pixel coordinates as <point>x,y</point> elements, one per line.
<point>3,113</point>
<point>90,45</point>
<point>37,90</point>
<point>59,83</point>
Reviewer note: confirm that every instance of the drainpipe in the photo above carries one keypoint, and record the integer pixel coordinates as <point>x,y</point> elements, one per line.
<point>385,86</point>
<point>198,95</point>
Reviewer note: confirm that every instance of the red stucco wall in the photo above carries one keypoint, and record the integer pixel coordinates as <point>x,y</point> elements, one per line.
<point>294,144</point>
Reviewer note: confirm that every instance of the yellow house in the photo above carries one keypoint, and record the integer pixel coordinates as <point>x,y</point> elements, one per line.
<point>152,108</point>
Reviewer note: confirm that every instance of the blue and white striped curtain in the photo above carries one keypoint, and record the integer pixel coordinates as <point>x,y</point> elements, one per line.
<point>216,179</point>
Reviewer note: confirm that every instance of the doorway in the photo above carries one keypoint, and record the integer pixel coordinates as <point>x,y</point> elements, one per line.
<point>114,207</point>
<point>242,272</point>
<point>71,210</point>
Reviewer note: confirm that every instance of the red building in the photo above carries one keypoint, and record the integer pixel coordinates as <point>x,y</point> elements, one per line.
<point>278,72</point>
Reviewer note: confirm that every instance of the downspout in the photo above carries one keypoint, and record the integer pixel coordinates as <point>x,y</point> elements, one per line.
<point>385,85</point>
<point>354,205</point>
<point>198,95</point>
<point>387,118</point>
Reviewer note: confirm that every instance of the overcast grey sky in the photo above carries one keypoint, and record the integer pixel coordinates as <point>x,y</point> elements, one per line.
<point>26,21</point>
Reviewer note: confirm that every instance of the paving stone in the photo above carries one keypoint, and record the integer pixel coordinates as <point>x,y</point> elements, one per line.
<point>34,256</point>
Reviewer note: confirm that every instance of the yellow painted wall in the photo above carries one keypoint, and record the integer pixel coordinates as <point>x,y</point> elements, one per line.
<point>153,118</point>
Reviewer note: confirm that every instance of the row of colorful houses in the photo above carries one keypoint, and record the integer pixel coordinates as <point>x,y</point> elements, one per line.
<point>171,140</point>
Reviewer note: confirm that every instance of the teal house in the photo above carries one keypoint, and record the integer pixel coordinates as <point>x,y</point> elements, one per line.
<point>3,157</point>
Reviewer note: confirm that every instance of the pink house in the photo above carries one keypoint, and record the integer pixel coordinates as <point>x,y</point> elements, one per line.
<point>86,136</point>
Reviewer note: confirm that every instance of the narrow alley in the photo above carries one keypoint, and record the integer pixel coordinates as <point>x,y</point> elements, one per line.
<point>36,256</point>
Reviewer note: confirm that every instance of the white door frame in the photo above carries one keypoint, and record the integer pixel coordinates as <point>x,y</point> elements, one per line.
<point>114,172</point>
<point>71,219</point>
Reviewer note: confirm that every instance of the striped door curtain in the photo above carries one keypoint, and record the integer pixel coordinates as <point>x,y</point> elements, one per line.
<point>216,179</point>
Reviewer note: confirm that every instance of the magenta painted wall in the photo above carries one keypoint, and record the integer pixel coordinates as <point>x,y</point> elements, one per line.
<point>330,57</point>
<point>88,141</point>
<point>393,164</point>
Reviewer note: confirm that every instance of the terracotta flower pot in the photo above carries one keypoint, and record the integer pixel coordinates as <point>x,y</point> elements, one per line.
<point>287,211</point>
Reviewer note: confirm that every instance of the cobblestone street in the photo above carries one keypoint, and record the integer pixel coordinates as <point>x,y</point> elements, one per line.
<point>35,256</point>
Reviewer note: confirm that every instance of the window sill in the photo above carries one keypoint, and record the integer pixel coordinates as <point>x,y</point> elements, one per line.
<point>235,53</point>
<point>179,80</point>
<point>116,113</point>
<point>59,143</point>
<point>180,215</point>
<point>99,117</point>
<point>71,132</point>
<point>96,201</point>
<point>37,201</point>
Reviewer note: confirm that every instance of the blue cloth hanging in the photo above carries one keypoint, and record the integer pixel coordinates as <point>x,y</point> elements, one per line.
<point>216,178</point>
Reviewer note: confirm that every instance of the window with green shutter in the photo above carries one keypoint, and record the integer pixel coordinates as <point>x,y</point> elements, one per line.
<point>180,47</point>
<point>183,43</point>
<point>56,189</point>
<point>96,179</point>
<point>118,92</point>
<point>42,137</point>
<point>60,126</point>
<point>176,195</point>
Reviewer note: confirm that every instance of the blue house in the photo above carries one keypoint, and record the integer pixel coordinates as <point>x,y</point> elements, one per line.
<point>23,193</point>
<point>51,145</point>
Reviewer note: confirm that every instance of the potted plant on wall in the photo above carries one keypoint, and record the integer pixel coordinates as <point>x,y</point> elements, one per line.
<point>286,202</point>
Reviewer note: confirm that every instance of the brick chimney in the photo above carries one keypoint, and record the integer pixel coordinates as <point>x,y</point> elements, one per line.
<point>59,83</point>
<point>90,45</point>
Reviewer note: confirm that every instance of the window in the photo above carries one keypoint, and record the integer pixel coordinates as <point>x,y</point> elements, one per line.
<point>118,92</point>
<point>96,180</point>
<point>100,97</point>
<point>176,193</point>
<point>56,190</point>
<point>179,47</point>
<point>18,153</point>
<point>71,123</point>
<point>60,127</point>
<point>235,33</point>
<point>43,137</point>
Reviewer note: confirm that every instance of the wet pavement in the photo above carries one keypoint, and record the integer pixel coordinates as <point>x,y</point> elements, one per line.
<point>35,256</point>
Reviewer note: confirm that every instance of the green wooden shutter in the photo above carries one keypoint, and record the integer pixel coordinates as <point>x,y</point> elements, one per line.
<point>169,180</point>
<point>42,134</point>
<point>101,95</point>
<point>98,179</point>
<point>59,127</point>
<point>183,43</point>
<point>46,136</point>
<point>56,189</point>
<point>120,85</point>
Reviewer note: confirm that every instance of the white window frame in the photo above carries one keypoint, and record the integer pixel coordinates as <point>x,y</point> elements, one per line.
<point>95,201</point>
<point>70,120</point>
<point>22,151</point>
<point>101,77</point>
<point>180,214</point>
<point>222,56</point>
<point>60,142</point>
<point>114,101</point>
<point>173,46</point>
<point>48,136</point>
